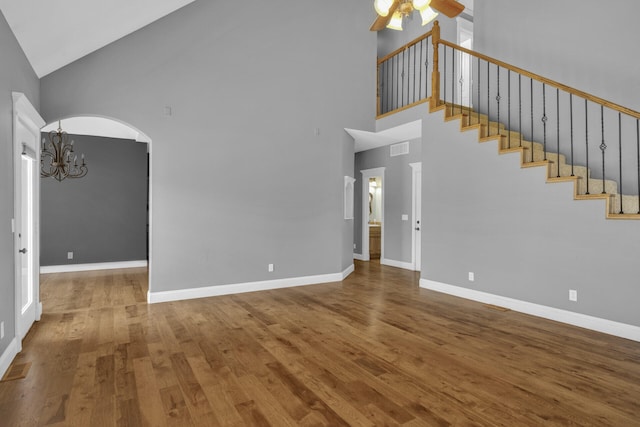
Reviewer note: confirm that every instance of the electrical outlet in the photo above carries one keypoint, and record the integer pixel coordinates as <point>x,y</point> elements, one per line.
<point>270,268</point>
<point>1,329</point>
<point>472,276</point>
<point>573,295</point>
<point>354,246</point>
<point>69,255</point>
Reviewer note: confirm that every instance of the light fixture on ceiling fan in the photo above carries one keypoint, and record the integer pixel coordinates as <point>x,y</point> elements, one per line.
<point>57,158</point>
<point>391,12</point>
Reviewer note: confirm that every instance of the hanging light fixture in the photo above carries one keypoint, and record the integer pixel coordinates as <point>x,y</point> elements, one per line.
<point>405,8</point>
<point>57,158</point>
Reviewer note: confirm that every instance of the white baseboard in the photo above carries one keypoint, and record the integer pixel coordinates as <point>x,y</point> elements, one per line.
<point>398,264</point>
<point>610,327</point>
<point>69,268</point>
<point>360,257</point>
<point>237,288</point>
<point>347,271</point>
<point>7,356</point>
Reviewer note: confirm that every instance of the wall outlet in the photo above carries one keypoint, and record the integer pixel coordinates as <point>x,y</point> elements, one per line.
<point>270,268</point>
<point>69,255</point>
<point>405,217</point>
<point>472,276</point>
<point>354,246</point>
<point>2,330</point>
<point>573,295</point>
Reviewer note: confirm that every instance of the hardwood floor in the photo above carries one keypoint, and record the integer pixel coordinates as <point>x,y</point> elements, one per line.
<point>372,350</point>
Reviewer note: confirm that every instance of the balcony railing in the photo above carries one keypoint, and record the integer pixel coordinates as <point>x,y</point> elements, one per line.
<point>596,139</point>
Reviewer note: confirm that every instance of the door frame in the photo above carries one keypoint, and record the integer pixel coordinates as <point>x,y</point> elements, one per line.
<point>416,206</point>
<point>26,115</point>
<point>366,174</point>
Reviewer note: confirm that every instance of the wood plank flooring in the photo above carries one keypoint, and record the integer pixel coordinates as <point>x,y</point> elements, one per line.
<point>372,350</point>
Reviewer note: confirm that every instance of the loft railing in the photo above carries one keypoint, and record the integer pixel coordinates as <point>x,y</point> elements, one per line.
<point>403,76</point>
<point>599,140</point>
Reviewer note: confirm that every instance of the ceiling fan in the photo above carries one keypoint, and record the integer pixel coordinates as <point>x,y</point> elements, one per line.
<point>391,12</point>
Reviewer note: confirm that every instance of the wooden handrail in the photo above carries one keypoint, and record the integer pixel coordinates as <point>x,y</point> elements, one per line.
<point>405,47</point>
<point>581,94</point>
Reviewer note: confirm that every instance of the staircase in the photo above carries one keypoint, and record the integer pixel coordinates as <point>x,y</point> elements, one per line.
<point>553,116</point>
<point>532,154</point>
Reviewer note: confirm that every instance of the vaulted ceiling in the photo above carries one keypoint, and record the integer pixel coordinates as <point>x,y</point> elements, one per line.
<point>54,33</point>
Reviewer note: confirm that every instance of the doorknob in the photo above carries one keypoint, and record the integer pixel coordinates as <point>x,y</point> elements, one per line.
<point>417,228</point>
<point>23,251</point>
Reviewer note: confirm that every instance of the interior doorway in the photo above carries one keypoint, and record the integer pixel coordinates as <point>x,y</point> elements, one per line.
<point>372,213</point>
<point>114,230</point>
<point>26,135</point>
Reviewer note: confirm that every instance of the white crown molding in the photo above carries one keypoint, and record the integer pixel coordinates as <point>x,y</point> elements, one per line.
<point>69,268</point>
<point>237,288</point>
<point>610,327</point>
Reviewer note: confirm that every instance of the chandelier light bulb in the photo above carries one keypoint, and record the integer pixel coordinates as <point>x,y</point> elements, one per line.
<point>396,22</point>
<point>421,4</point>
<point>382,6</point>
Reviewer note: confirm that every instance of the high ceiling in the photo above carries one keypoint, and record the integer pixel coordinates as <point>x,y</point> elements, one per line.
<point>54,33</point>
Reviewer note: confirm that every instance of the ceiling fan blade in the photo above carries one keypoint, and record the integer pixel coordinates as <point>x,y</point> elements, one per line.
<point>381,22</point>
<point>450,8</point>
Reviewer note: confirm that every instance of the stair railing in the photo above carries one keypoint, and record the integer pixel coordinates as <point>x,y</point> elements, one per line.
<point>403,76</point>
<point>579,134</point>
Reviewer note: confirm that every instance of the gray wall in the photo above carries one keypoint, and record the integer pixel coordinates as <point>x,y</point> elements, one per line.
<point>522,238</point>
<point>581,43</point>
<point>15,75</point>
<point>239,177</point>
<point>101,217</point>
<point>397,187</point>
<point>390,40</point>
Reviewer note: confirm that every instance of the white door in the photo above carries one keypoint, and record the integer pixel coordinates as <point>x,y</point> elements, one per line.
<point>416,208</point>
<point>26,135</point>
<point>25,258</point>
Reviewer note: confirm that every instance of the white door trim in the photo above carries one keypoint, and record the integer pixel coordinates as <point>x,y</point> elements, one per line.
<point>416,198</point>
<point>25,115</point>
<point>366,174</point>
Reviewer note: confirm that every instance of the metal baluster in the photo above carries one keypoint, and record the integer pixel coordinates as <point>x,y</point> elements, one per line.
<point>397,81</point>
<point>509,107</point>
<point>461,81</point>
<point>426,71</point>
<point>558,130</point>
<point>393,83</point>
<point>385,92</point>
<point>603,146</point>
<point>586,136</point>
<point>488,100</point>
<point>453,78</point>
<point>620,157</point>
<point>420,74</point>
<point>445,77</point>
<point>520,107</point>
<point>571,120</point>
<point>532,150</point>
<point>402,104</point>
<point>413,92</point>
<point>498,99</point>
<point>478,106</point>
<point>544,121</point>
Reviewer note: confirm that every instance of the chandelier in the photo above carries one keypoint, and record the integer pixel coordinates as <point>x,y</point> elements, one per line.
<point>405,8</point>
<point>58,160</point>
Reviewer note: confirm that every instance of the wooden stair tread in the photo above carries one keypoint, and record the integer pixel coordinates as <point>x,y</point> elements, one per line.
<point>470,120</point>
